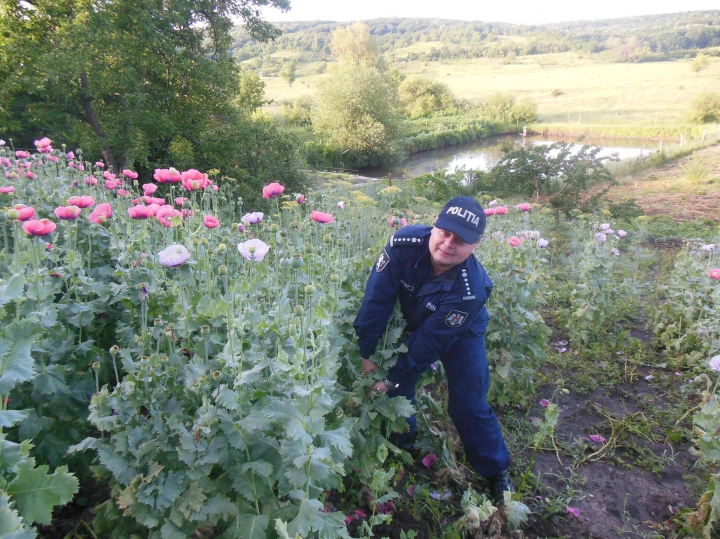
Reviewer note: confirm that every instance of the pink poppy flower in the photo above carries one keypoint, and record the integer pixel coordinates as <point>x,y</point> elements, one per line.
<point>21,154</point>
<point>100,164</point>
<point>53,158</point>
<point>130,174</point>
<point>180,200</point>
<point>410,490</point>
<point>514,241</point>
<point>597,438</point>
<point>67,213</point>
<point>82,201</point>
<point>500,210</point>
<point>600,237</point>
<point>211,222</point>
<point>123,193</point>
<point>43,145</point>
<point>544,402</point>
<point>215,187</point>
<point>621,233</point>
<point>542,243</point>
<point>321,217</point>
<point>573,511</point>
<point>194,180</point>
<point>165,214</point>
<point>341,205</point>
<point>110,184</point>
<point>492,203</point>
<point>70,155</point>
<point>31,175</point>
<point>149,188</point>
<point>489,212</point>
<point>154,200</point>
<point>101,213</point>
<point>7,190</point>
<point>43,227</point>
<point>140,212</point>
<point>272,190</point>
<point>299,198</point>
<point>91,180</point>
<point>429,460</point>
<point>167,175</point>
<point>348,519</point>
<point>109,176</point>
<point>153,208</point>
<point>523,207</point>
<point>25,213</point>
<point>714,273</point>
<point>360,513</point>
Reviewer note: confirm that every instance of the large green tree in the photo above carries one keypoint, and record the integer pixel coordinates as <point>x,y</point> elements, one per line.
<point>124,77</point>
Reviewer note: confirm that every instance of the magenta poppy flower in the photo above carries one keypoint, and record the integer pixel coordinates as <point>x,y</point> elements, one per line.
<point>154,200</point>
<point>272,190</point>
<point>67,213</point>
<point>43,145</point>
<point>140,212</point>
<point>180,200</point>
<point>130,174</point>
<point>321,217</point>
<point>43,227</point>
<point>110,184</point>
<point>544,402</point>
<point>109,176</point>
<point>100,164</point>
<point>429,460</point>
<point>25,213</point>
<point>573,511</point>
<point>194,180</point>
<point>714,273</point>
<point>299,198</point>
<point>91,180</point>
<point>21,154</point>
<point>211,222</point>
<point>149,188</point>
<point>597,438</point>
<point>6,190</point>
<point>165,214</point>
<point>70,155</point>
<point>523,207</point>
<point>173,255</point>
<point>489,212</point>
<point>167,175</point>
<point>360,513</point>
<point>410,490</point>
<point>101,213</point>
<point>82,201</point>
<point>31,175</point>
<point>514,241</point>
<point>500,210</point>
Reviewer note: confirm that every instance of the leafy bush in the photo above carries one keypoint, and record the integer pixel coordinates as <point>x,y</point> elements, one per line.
<point>626,210</point>
<point>503,108</point>
<point>421,97</point>
<point>705,108</point>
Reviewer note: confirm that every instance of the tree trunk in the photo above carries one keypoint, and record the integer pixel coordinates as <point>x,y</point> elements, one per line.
<point>90,117</point>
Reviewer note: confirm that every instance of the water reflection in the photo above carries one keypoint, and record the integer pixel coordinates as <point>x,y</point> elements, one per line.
<point>485,154</point>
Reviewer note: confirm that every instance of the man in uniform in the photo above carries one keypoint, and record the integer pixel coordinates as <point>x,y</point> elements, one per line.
<point>442,289</point>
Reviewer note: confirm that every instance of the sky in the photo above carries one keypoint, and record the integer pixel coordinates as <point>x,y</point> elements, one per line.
<point>511,11</point>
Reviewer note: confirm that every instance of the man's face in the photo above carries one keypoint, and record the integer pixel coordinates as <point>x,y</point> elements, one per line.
<point>448,250</point>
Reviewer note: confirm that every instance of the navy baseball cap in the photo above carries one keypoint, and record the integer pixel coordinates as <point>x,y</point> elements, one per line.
<point>463,216</point>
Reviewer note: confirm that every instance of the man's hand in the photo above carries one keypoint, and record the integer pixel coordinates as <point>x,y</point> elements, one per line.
<point>381,387</point>
<point>368,367</point>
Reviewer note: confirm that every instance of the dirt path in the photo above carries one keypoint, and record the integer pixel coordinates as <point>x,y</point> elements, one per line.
<point>686,189</point>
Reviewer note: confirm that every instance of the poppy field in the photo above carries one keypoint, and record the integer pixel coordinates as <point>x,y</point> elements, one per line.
<point>187,365</point>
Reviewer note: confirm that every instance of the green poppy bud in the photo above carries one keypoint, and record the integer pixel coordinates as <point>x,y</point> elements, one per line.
<point>292,330</point>
<point>296,261</point>
<point>222,248</point>
<point>205,330</point>
<point>327,238</point>
<point>114,350</point>
<point>274,228</point>
<point>168,333</point>
<point>283,233</point>
<point>216,375</point>
<point>334,278</point>
<point>308,248</point>
<point>95,366</point>
<point>203,240</point>
<point>299,310</point>
<point>293,224</point>
<point>222,269</point>
<point>195,242</point>
<point>157,322</point>
<point>309,289</point>
<point>163,358</point>
<point>29,191</point>
<point>13,214</point>
<point>3,217</point>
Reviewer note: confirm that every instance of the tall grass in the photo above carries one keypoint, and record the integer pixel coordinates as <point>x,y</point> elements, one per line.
<point>660,132</point>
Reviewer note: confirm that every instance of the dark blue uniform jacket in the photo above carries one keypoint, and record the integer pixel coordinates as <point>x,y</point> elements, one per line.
<point>438,310</point>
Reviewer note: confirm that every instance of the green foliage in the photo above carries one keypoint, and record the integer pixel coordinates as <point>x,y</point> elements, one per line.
<point>421,97</point>
<point>355,46</point>
<point>289,72</point>
<point>705,108</point>
<point>124,78</point>
<point>358,111</point>
<point>559,174</point>
<point>442,185</point>
<point>502,108</point>
<point>251,95</point>
<point>299,112</point>
<point>700,62</point>
<point>627,210</point>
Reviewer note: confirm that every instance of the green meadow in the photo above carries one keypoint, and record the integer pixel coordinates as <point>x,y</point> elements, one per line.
<point>568,87</point>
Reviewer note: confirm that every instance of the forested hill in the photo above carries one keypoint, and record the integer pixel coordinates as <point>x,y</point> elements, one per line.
<point>645,38</point>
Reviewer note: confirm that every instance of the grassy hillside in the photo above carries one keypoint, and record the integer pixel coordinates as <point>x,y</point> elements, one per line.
<point>598,91</point>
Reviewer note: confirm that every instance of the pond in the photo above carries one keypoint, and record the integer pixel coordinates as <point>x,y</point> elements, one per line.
<point>484,154</point>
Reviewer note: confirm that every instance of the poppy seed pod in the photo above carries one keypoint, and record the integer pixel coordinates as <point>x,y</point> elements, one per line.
<point>222,247</point>
<point>274,228</point>
<point>29,191</point>
<point>157,322</point>
<point>163,358</point>
<point>327,238</point>
<point>203,240</point>
<point>222,269</point>
<point>217,375</point>
<point>114,350</point>
<point>195,242</point>
<point>95,366</point>
<point>168,333</point>
<point>296,261</point>
<point>283,233</point>
<point>12,214</point>
<point>292,329</point>
<point>205,330</point>
<point>309,289</point>
<point>299,310</point>
<point>293,224</point>
<point>308,248</point>
<point>334,278</point>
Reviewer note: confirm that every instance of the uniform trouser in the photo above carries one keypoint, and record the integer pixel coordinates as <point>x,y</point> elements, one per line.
<point>468,379</point>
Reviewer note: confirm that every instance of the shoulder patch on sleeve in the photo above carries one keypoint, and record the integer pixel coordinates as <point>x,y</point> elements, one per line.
<point>382,261</point>
<point>455,318</point>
